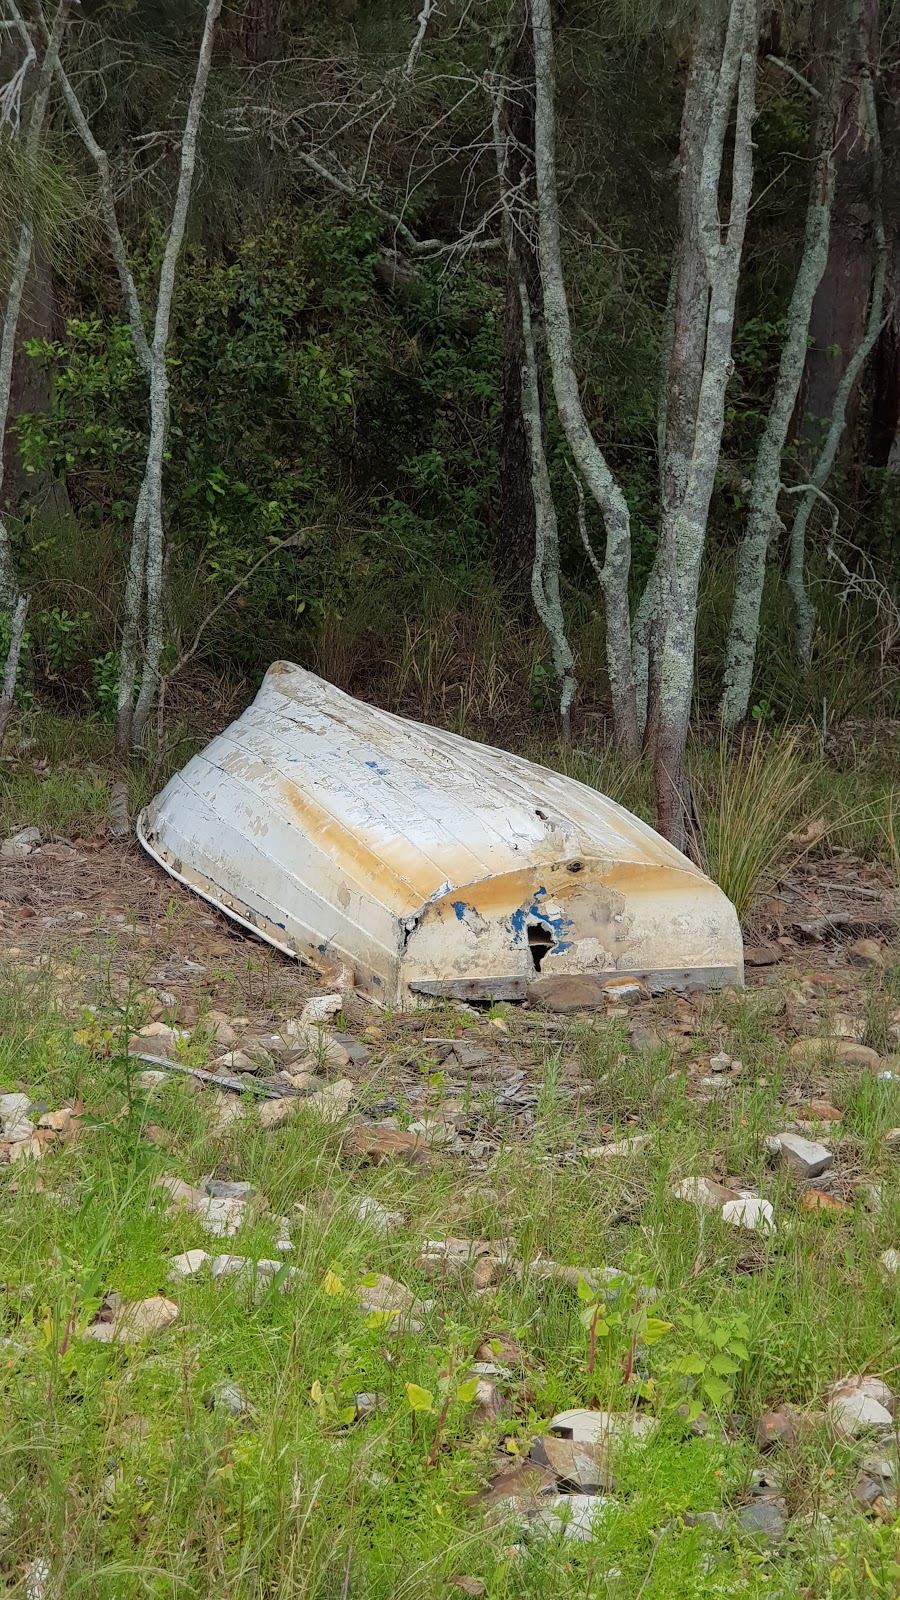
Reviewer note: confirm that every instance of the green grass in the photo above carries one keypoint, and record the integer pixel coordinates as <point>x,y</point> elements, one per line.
<point>115,1468</point>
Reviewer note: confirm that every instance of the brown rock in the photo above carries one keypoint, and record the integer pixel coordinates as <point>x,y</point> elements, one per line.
<point>819,1111</point>
<point>377,1144</point>
<point>818,1200</point>
<point>774,1428</point>
<point>866,953</point>
<point>576,992</point>
<point>761,955</point>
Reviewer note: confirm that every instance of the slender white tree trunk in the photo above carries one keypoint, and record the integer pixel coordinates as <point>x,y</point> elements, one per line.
<point>762,511</point>
<point>146,565</point>
<point>11,599</point>
<point>683,527</point>
<point>588,456</point>
<point>804,611</point>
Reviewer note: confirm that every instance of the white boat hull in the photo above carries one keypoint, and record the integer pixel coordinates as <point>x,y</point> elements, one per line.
<point>425,862</point>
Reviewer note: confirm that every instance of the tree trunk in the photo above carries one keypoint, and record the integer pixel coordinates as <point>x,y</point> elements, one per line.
<point>515,544</point>
<point>762,510</point>
<point>147,546</point>
<point>586,452</point>
<point>263,31</point>
<point>884,437</point>
<point>839,311</point>
<point>726,69</point>
<point>825,459</point>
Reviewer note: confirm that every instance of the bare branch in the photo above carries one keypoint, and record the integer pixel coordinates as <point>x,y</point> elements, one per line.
<point>415,49</point>
<point>793,73</point>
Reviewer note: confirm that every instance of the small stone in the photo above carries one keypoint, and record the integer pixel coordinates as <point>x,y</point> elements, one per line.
<point>626,991</point>
<point>601,1427</point>
<point>866,953</point>
<point>187,1265</point>
<point>220,1218</point>
<point>378,1144</point>
<point>857,1055</point>
<point>136,1321</point>
<point>750,1212</point>
<point>14,1106</point>
<point>871,1195</point>
<point>317,1042</point>
<point>716,1520</point>
<point>848,1051</point>
<point>891,1141</point>
<point>57,1121</point>
<point>18,846</point>
<point>368,1403</point>
<point>224,1189</point>
<point>227,1110</point>
<point>890,1261</point>
<point>817,1200</point>
<point>180,1193</point>
<point>26,1150</point>
<point>571,1515</point>
<point>568,993</point>
<point>820,1111</point>
<point>275,1113</point>
<point>720,1062</point>
<point>236,1061</point>
<point>855,1414</point>
<point>776,1428</point>
<point>222,1032</point>
<point>801,1156</point>
<point>761,955</point>
<point>365,1208</point>
<point>322,1008</point>
<point>433,1131</point>
<point>229,1398</point>
<point>704,1193</point>
<point>333,1102</point>
<point>15,1128</point>
<point>763,1519</point>
<point>152,1079</point>
<point>618,1149</point>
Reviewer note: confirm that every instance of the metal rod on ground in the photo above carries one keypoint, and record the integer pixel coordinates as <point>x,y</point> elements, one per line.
<point>242,1085</point>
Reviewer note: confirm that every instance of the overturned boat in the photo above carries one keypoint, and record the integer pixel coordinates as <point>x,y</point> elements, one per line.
<point>425,862</point>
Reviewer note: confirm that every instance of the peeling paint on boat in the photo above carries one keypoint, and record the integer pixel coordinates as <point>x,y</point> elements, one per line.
<point>421,859</point>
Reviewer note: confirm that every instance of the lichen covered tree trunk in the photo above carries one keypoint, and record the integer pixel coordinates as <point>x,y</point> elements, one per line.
<point>713,83</point>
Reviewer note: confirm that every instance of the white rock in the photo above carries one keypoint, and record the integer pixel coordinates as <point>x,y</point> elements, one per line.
<point>853,1414</point>
<point>37,1572</point>
<point>143,1317</point>
<point>601,1427</point>
<point>152,1079</point>
<point>187,1265</point>
<point>227,1110</point>
<point>890,1260</point>
<point>365,1208</point>
<point>57,1121</point>
<point>14,1105</point>
<point>322,1008</point>
<point>333,1102</point>
<point>572,1515</point>
<point>26,1150</point>
<point>20,1127</point>
<point>704,1193</point>
<point>275,1113</point>
<point>18,846</point>
<point>803,1156</point>
<point>324,1049</point>
<point>236,1061</point>
<point>621,1148</point>
<point>749,1211</point>
<point>221,1218</point>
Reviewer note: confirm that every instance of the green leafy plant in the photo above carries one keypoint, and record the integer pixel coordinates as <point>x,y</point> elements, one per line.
<point>712,1349</point>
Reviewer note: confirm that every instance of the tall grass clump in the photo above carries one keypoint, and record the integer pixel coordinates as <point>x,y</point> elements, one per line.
<point>750,796</point>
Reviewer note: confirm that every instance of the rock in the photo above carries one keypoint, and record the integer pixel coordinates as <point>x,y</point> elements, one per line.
<point>750,1212</point>
<point>367,1404</point>
<point>224,1189</point>
<point>159,1036</point>
<point>386,1295</point>
<point>891,1141</point>
<point>237,1061</point>
<point>187,1265</point>
<point>626,991</point>
<point>610,1279</point>
<point>857,1055</point>
<point>890,1261</point>
<point>866,953</point>
<point>26,1150</point>
<point>13,1107</point>
<point>801,1156</point>
<point>323,1048</point>
<point>333,1102</point>
<point>378,1144</point>
<point>820,1111</point>
<point>601,1427</point>
<point>365,1208</point>
<point>275,1113</point>
<point>716,1520</point>
<point>761,955</point>
<point>471,1586</point>
<point>18,846</point>
<point>765,1519</point>
<point>722,1062</point>
<point>776,1428</point>
<point>152,1079</point>
<point>470,1057</point>
<point>138,1320</point>
<point>322,1008</point>
<point>220,1218</point>
<point>37,1572</point>
<point>704,1193</point>
<point>567,993</point>
<point>859,1403</point>
<point>871,1195</point>
<point>433,1131</point>
<point>227,1109</point>
<point>229,1398</point>
<point>218,1025</point>
<point>574,1465</point>
<point>56,1121</point>
<point>572,1515</point>
<point>817,1200</point>
<point>180,1193</point>
<point>19,1127</point>
<point>259,1272</point>
<point>620,1148</point>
